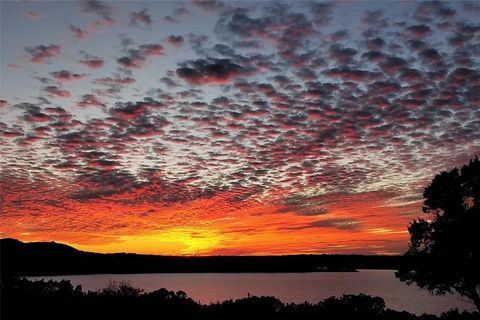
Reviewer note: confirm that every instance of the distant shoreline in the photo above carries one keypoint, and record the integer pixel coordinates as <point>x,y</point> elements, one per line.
<point>196,272</point>
<point>55,259</point>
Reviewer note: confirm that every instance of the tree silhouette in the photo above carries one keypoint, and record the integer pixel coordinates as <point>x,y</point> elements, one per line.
<point>444,249</point>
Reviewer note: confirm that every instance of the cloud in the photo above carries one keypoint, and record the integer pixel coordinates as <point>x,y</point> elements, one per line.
<point>130,110</point>
<point>104,164</point>
<point>57,92</point>
<point>375,43</point>
<point>33,15</point>
<point>115,80</point>
<point>35,114</point>
<point>91,100</point>
<point>98,8</point>
<point>209,5</point>
<point>152,49</point>
<point>92,62</point>
<point>341,224</point>
<point>176,41</point>
<point>211,71</point>
<point>471,6</point>
<point>65,76</point>
<point>347,74</point>
<point>39,54</point>
<point>393,64</point>
<point>147,126</point>
<point>303,210</point>
<point>109,182</point>
<point>56,110</point>
<point>429,10</point>
<point>136,58</point>
<point>342,55</point>
<point>140,17</point>
<point>322,12</point>
<point>238,23</point>
<point>78,33</point>
<point>123,188</point>
<point>419,31</point>
<point>430,56</point>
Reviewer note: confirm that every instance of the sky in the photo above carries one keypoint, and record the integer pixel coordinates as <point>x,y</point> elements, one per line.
<point>232,128</point>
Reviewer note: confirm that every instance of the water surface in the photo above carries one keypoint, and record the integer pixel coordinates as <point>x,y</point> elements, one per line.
<point>288,287</point>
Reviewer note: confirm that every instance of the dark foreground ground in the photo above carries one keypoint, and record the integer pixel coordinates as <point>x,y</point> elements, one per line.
<point>24,299</point>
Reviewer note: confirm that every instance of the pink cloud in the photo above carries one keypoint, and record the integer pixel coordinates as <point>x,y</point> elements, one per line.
<point>40,53</point>
<point>65,76</point>
<point>92,63</point>
<point>79,33</point>
<point>54,91</point>
<point>140,17</point>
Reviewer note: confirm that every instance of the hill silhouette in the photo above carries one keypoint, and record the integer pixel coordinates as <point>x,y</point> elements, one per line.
<point>51,258</point>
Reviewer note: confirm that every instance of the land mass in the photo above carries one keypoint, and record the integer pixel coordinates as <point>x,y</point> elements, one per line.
<point>50,258</point>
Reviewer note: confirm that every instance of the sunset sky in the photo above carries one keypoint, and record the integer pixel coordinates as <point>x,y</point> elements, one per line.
<point>232,128</point>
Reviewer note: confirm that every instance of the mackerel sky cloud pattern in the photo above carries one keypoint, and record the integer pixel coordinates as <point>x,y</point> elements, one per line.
<point>226,127</point>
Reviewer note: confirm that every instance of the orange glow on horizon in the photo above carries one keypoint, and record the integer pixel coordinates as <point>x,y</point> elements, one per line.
<point>218,225</point>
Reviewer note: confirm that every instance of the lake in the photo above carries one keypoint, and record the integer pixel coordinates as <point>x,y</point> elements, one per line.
<point>288,287</point>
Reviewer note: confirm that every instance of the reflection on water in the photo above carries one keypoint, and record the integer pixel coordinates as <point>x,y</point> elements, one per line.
<point>288,287</point>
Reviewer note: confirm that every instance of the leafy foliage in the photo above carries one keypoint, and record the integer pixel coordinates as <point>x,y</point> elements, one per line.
<point>122,288</point>
<point>446,244</point>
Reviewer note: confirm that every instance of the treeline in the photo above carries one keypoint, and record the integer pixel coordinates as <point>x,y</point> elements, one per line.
<point>24,299</point>
<point>49,258</point>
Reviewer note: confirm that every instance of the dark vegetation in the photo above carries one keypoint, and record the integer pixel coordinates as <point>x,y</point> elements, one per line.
<point>24,299</point>
<point>445,246</point>
<point>50,258</point>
